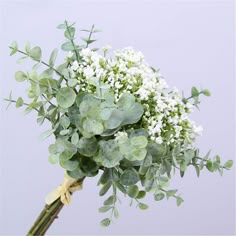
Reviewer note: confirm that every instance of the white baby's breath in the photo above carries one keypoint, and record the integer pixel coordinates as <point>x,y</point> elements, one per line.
<point>165,117</point>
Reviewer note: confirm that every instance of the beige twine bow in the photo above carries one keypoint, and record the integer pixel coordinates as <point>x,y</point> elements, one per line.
<point>64,191</point>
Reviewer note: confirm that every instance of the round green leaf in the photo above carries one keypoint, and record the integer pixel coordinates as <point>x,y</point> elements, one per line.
<point>53,158</point>
<point>20,76</point>
<point>133,191</point>
<point>66,97</point>
<point>35,53</point>
<point>142,206</point>
<point>104,209</point>
<point>228,164</point>
<point>69,165</point>
<point>65,122</point>
<point>87,146</point>
<point>105,222</point>
<point>19,102</point>
<point>110,201</point>
<point>206,92</point>
<point>93,126</point>
<point>139,141</point>
<point>159,196</point>
<point>141,194</point>
<point>129,177</point>
<point>109,154</point>
<point>76,173</point>
<point>75,138</point>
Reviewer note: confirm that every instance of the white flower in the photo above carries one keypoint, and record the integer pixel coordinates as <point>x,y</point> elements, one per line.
<point>120,134</point>
<point>69,54</point>
<point>106,48</point>
<point>159,140</point>
<point>198,130</point>
<point>128,72</point>
<point>88,72</point>
<point>75,66</point>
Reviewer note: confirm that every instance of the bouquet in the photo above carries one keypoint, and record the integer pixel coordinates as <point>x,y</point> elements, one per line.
<point>112,115</point>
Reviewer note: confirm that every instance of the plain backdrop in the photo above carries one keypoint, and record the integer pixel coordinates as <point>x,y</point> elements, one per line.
<point>192,42</point>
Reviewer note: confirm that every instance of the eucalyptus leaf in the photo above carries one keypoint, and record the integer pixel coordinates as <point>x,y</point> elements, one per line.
<point>129,177</point>
<point>20,76</point>
<point>35,53</point>
<point>66,97</point>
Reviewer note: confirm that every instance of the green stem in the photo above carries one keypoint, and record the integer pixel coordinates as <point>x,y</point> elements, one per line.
<point>90,35</point>
<point>28,105</point>
<point>44,63</point>
<point>46,218</point>
<point>72,41</point>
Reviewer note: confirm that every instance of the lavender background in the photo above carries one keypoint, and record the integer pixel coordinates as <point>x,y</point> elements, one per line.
<point>193,43</point>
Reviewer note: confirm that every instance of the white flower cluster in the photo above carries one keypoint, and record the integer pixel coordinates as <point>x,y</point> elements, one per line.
<point>166,116</point>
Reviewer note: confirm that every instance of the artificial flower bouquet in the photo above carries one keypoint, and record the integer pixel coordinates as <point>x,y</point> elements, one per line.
<point>112,115</point>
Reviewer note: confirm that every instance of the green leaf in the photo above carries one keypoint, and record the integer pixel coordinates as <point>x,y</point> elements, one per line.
<point>133,114</point>
<point>14,48</point>
<point>116,213</point>
<point>105,188</point>
<point>133,191</point>
<point>194,92</point>
<point>69,165</point>
<point>19,102</point>
<point>72,82</point>
<point>228,164</point>
<point>53,158</point>
<point>88,166</point>
<point>210,166</point>
<point>20,76</point>
<point>106,176</point>
<point>104,209</point>
<point>188,156</point>
<point>36,53</point>
<point>27,47</point>
<point>70,33</point>
<point>206,92</point>
<point>93,126</point>
<point>120,187</point>
<point>46,134</point>
<point>110,201</point>
<point>141,194</point>
<point>109,154</point>
<point>115,119</point>
<point>139,142</point>
<point>197,170</point>
<point>88,146</point>
<point>76,173</point>
<point>53,57</point>
<point>105,222</point>
<point>159,196</point>
<point>61,26</point>
<point>126,101</point>
<point>75,138</point>
<point>137,154</point>
<point>89,41</point>
<point>179,201</point>
<point>129,177</point>
<point>171,193</point>
<point>64,132</point>
<point>68,46</point>
<point>65,122</point>
<point>142,206</point>
<point>66,97</point>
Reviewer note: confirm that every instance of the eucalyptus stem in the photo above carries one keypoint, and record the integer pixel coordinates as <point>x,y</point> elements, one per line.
<point>72,41</point>
<point>43,62</point>
<point>46,218</point>
<point>28,105</point>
